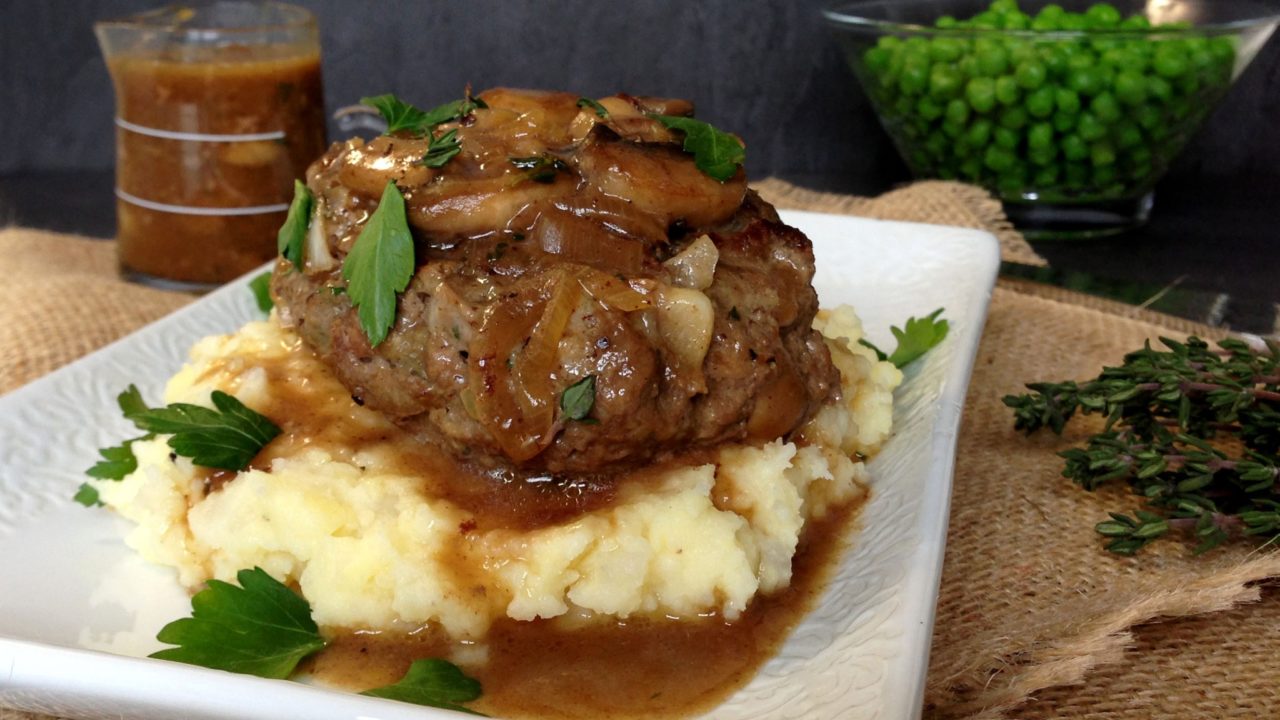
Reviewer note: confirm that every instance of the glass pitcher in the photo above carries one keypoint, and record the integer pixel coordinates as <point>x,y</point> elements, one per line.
<point>219,108</point>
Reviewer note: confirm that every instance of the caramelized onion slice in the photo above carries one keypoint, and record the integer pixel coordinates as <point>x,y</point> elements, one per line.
<point>512,381</point>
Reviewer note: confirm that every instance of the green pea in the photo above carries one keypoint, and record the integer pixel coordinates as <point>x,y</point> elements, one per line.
<point>957,112</point>
<point>1127,135</point>
<point>1102,153</point>
<point>1062,122</point>
<point>1067,100</point>
<point>1139,158</point>
<point>1079,58</point>
<point>903,107</point>
<point>1031,75</point>
<point>1148,117</point>
<point>953,130</point>
<point>945,49</point>
<point>1073,21</point>
<point>1169,62</point>
<point>877,59</point>
<point>971,168</point>
<point>993,60</point>
<point>1015,21</point>
<point>979,133</point>
<point>1046,176</point>
<point>1188,84</point>
<point>944,81</point>
<point>1077,174</point>
<point>946,22</point>
<point>1007,91</point>
<point>1105,108</point>
<point>929,109</point>
<point>1040,137</point>
<point>1135,22</point>
<point>1042,157</point>
<point>1090,128</point>
<point>937,145</point>
<point>1001,7</point>
<point>981,93</point>
<point>1044,24</point>
<point>968,66</point>
<point>1085,80</point>
<point>1014,118</point>
<point>1131,88</point>
<point>1104,175</point>
<point>1040,103</point>
<point>1053,11</point>
<point>1103,15</point>
<point>915,77</point>
<point>1223,50</point>
<point>917,45</point>
<point>1055,59</point>
<point>1159,88</point>
<point>1074,147</point>
<point>998,159</point>
<point>1006,138</point>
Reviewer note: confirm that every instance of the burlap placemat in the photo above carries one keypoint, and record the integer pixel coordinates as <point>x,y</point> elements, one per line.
<point>1034,619</point>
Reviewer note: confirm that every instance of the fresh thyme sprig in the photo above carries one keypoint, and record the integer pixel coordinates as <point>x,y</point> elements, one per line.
<point>1193,430</point>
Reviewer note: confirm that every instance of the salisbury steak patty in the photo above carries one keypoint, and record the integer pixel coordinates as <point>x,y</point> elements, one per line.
<point>561,247</point>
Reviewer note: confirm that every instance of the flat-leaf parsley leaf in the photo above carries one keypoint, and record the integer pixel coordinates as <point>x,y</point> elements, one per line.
<point>260,628</point>
<point>441,149</point>
<point>716,153</point>
<point>432,682</point>
<point>227,437</point>
<point>586,102</point>
<point>380,265</point>
<point>578,399</point>
<point>261,289</point>
<point>401,115</point>
<point>293,233</point>
<point>919,335</point>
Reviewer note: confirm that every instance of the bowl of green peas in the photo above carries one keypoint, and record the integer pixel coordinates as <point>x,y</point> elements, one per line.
<point>1069,112</point>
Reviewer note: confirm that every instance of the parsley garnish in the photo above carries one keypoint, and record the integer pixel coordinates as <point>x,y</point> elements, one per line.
<point>227,437</point>
<point>117,461</point>
<point>294,231</point>
<point>578,399</point>
<point>716,153</point>
<point>380,265</point>
<point>401,115</point>
<point>261,289</point>
<point>432,682</point>
<point>441,149</point>
<point>584,102</point>
<point>920,335</point>
<point>260,628</point>
<point>87,496</point>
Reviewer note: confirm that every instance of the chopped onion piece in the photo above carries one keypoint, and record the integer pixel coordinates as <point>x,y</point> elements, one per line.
<point>695,266</point>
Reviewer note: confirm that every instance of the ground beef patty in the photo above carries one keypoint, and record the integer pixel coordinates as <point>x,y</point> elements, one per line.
<point>561,247</point>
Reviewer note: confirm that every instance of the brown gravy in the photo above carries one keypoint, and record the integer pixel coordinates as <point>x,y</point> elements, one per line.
<point>312,407</point>
<point>234,90</point>
<point>640,668</point>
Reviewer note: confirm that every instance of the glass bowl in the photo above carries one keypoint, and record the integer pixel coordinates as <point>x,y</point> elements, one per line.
<point>1069,120</point>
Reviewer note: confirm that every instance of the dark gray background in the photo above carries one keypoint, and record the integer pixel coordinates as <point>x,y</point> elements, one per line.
<point>769,70</point>
<point>766,69</point>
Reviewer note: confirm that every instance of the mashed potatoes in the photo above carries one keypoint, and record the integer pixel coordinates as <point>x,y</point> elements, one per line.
<point>370,547</point>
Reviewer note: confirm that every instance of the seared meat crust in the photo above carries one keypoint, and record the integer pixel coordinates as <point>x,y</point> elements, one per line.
<point>556,246</point>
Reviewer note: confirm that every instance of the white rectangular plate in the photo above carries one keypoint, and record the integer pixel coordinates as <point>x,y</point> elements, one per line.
<point>79,612</point>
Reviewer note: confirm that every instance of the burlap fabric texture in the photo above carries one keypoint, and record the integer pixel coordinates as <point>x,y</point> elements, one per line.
<point>1034,619</point>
